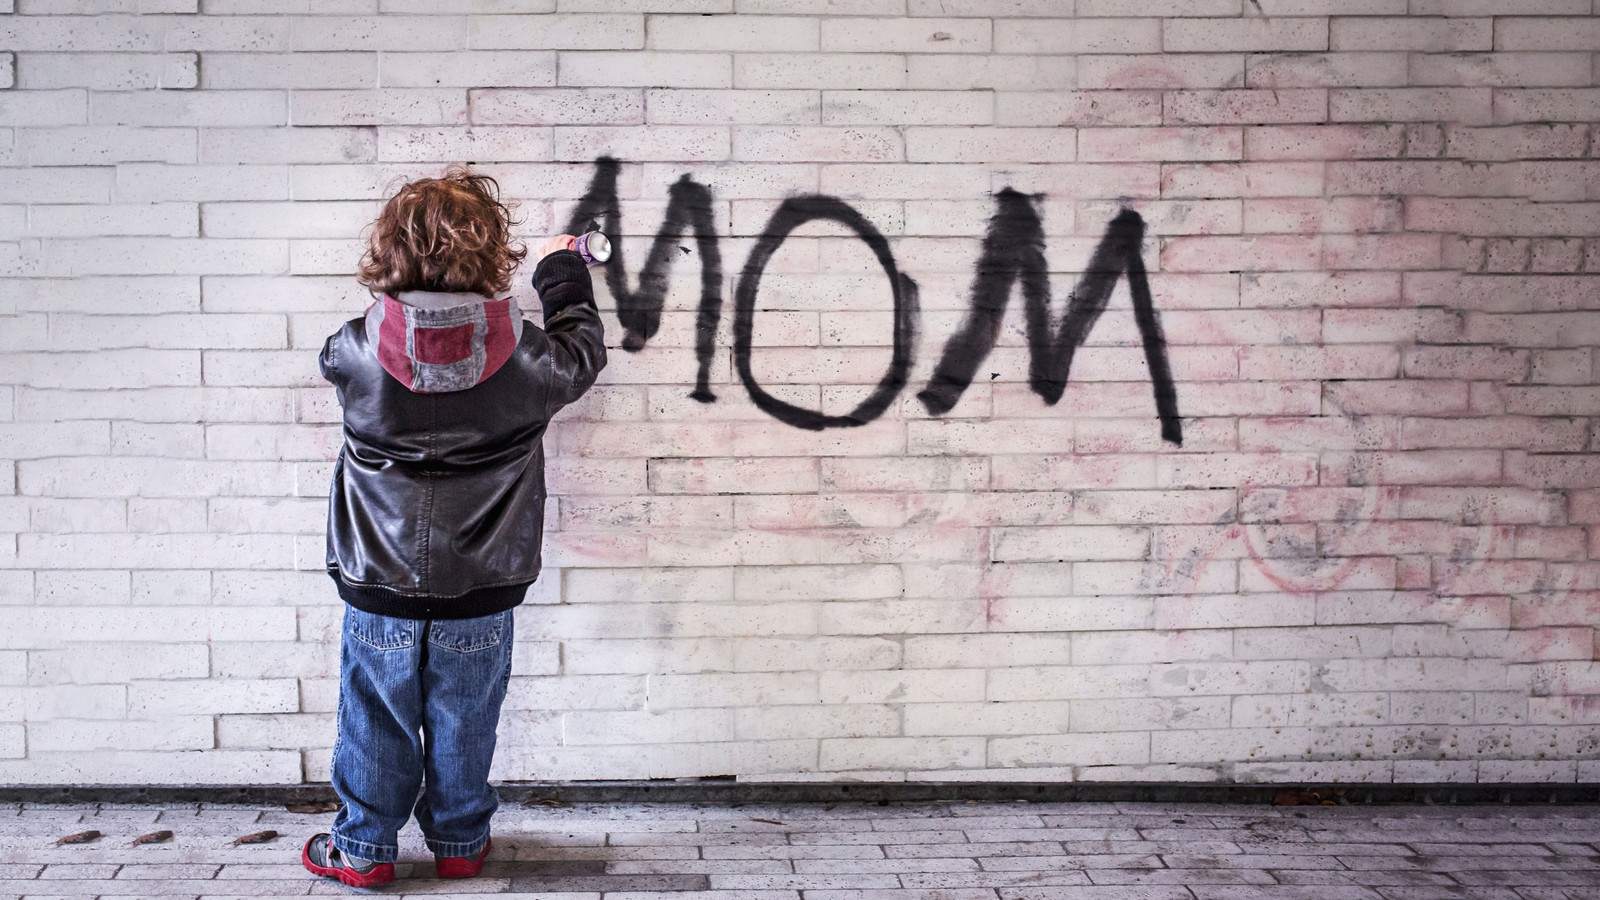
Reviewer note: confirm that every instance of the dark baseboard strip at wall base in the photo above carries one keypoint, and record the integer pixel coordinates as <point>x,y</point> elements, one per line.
<point>728,792</point>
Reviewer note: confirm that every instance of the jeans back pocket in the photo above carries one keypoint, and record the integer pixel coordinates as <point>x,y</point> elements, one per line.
<point>467,635</point>
<point>380,632</point>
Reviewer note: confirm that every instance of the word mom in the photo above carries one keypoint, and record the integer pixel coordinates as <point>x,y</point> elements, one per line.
<point>1013,249</point>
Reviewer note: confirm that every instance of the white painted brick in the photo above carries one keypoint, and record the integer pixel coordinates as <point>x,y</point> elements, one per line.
<point>165,516</point>
<point>389,32</point>
<point>275,731</point>
<point>735,107</point>
<point>558,106</point>
<point>164,405</point>
<point>30,441</point>
<point>907,107</point>
<point>1035,109</point>
<point>891,752</point>
<point>818,144</point>
<point>70,185</point>
<point>103,369</point>
<point>108,72</point>
<point>821,7</point>
<point>842,71</point>
<point>322,144</point>
<point>169,733</point>
<point>1503,69</point>
<point>1012,72</point>
<point>211,696</point>
<point>997,144</point>
<point>280,7</point>
<point>678,6</point>
<point>129,477</point>
<point>1250,34</point>
<point>44,108</point>
<point>617,727</point>
<point>558,32</point>
<point>901,35</point>
<point>164,440</point>
<point>96,7</point>
<point>1007,8</point>
<point>82,33</point>
<point>163,767</point>
<point>468,68</point>
<point>1075,749</point>
<point>647,68</point>
<point>100,145</point>
<point>284,220</point>
<point>191,108</point>
<point>137,294</point>
<point>385,106</point>
<point>161,256</point>
<point>748,33</point>
<point>244,71</point>
<point>271,442</point>
<point>675,142</point>
<point>1080,35</point>
<point>81,587</point>
<point>238,33</point>
<point>442,7</point>
<point>84,332</point>
<point>163,219</point>
<point>181,551</point>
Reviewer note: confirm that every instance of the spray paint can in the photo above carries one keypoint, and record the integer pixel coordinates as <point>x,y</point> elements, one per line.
<point>593,246</point>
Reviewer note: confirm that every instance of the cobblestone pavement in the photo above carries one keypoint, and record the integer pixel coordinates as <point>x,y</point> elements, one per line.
<point>914,851</point>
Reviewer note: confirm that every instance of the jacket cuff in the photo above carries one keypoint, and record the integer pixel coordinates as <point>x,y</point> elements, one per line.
<point>562,265</point>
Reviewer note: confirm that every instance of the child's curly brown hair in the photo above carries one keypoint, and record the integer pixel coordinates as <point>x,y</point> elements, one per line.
<point>450,233</point>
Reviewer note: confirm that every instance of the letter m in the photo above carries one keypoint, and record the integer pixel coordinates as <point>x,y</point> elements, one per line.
<point>1013,249</point>
<point>639,311</point>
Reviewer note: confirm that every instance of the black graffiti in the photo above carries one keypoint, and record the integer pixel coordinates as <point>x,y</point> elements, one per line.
<point>688,207</point>
<point>1013,249</point>
<point>794,212</point>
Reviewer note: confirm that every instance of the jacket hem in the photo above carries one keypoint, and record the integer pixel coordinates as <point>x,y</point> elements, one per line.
<point>382,601</point>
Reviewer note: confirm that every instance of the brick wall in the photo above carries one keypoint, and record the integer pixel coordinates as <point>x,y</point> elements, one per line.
<point>1371,233</point>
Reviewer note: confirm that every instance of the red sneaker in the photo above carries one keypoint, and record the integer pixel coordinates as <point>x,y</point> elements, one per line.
<point>462,866</point>
<point>322,858</point>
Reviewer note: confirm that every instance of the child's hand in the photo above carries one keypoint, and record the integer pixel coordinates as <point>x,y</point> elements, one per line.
<point>559,242</point>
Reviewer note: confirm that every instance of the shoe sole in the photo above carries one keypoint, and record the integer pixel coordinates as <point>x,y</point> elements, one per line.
<point>383,873</point>
<point>462,866</point>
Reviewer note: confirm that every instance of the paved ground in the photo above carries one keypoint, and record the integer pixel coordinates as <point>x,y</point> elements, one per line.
<point>925,851</point>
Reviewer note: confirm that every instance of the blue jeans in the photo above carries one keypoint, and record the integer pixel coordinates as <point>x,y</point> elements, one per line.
<point>400,681</point>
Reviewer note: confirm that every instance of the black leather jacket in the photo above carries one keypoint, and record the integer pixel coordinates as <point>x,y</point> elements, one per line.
<point>436,510</point>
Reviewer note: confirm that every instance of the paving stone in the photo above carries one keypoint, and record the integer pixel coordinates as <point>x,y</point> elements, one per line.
<point>944,881</point>
<point>75,872</point>
<point>1099,892</point>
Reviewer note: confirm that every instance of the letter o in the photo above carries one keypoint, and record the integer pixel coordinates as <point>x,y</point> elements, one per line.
<point>794,212</point>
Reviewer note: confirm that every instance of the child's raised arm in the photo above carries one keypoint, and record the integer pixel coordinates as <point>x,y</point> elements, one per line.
<point>572,323</point>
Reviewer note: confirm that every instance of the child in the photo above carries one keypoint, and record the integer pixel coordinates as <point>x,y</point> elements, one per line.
<point>436,511</point>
